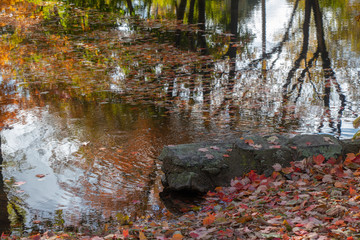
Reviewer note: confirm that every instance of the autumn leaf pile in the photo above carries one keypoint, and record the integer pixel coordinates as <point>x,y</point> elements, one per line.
<point>312,199</point>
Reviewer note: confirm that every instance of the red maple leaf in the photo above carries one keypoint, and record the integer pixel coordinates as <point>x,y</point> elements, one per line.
<point>319,159</point>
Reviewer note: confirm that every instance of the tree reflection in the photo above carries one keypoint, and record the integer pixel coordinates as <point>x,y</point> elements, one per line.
<point>321,50</point>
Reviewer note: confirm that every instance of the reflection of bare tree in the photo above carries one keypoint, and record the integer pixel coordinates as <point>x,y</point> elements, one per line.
<point>329,74</point>
<point>278,49</point>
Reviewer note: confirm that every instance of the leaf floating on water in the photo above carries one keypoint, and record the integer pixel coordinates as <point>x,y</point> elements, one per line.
<point>40,175</point>
<point>16,184</point>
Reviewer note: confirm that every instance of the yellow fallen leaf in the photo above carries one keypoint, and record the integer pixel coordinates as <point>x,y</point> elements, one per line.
<point>142,236</point>
<point>177,236</point>
<point>209,219</point>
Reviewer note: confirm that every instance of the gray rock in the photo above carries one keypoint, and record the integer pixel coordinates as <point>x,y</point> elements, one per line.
<point>313,145</point>
<point>203,166</point>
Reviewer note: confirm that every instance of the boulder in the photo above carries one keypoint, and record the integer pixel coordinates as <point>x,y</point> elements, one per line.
<point>201,167</point>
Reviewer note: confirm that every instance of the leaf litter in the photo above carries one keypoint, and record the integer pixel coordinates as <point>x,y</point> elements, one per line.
<point>312,199</point>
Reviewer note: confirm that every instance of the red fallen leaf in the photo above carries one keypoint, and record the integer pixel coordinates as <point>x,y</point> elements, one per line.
<point>211,194</point>
<point>241,205</point>
<point>40,175</point>
<point>340,185</point>
<point>285,237</point>
<point>229,150</point>
<point>215,147</point>
<point>319,159</point>
<point>249,141</point>
<point>293,147</point>
<point>352,191</point>
<point>311,207</point>
<point>340,222</point>
<point>125,233</point>
<point>338,171</point>
<point>252,175</point>
<point>357,159</point>
<point>226,155</point>
<point>35,237</point>
<point>349,158</point>
<point>308,143</point>
<point>227,233</point>
<point>332,161</point>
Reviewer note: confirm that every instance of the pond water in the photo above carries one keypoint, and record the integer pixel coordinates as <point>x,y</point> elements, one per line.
<point>91,91</point>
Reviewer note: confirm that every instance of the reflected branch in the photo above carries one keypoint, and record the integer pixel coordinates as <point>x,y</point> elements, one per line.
<point>280,45</point>
<point>304,50</point>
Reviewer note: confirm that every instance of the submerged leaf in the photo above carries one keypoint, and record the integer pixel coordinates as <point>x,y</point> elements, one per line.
<point>356,135</point>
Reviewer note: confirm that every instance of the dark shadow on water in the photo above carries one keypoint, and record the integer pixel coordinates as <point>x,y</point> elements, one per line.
<point>181,202</point>
<point>4,217</point>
